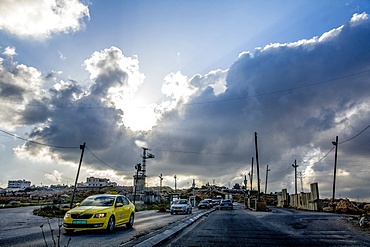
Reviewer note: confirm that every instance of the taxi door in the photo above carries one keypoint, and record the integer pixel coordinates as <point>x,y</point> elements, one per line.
<point>122,213</point>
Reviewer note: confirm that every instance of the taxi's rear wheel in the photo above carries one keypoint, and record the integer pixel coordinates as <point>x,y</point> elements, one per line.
<point>111,223</point>
<point>130,223</point>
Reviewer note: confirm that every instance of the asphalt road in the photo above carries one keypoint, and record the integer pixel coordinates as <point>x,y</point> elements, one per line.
<point>19,227</point>
<point>238,227</point>
<point>280,227</point>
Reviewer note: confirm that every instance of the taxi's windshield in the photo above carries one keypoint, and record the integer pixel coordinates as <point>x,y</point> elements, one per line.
<point>98,201</point>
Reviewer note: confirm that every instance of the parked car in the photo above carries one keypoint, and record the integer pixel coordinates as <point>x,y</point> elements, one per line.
<point>210,202</point>
<point>181,206</point>
<point>216,202</point>
<point>226,204</point>
<point>100,212</point>
<point>204,204</point>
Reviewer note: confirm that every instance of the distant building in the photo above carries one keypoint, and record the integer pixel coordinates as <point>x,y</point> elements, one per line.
<point>18,184</point>
<point>93,182</point>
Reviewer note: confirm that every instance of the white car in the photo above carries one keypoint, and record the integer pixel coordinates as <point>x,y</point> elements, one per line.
<point>181,206</point>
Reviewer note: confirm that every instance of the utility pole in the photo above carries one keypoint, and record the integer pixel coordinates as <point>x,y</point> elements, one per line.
<point>267,174</point>
<point>335,168</point>
<point>160,186</point>
<point>295,175</point>
<point>175,182</point>
<point>251,175</point>
<point>258,166</point>
<point>82,147</point>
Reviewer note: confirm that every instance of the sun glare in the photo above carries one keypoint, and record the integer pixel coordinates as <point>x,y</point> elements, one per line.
<point>139,118</point>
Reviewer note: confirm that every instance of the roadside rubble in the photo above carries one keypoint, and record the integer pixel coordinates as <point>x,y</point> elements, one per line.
<point>360,212</point>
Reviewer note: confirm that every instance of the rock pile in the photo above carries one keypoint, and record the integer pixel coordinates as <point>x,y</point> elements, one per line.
<point>345,206</point>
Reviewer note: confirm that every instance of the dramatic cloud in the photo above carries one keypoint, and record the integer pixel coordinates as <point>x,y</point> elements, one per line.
<point>297,96</point>
<point>73,116</point>
<point>21,93</point>
<point>39,19</point>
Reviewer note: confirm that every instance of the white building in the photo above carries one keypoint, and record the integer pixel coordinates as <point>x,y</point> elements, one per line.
<point>93,182</point>
<point>18,184</point>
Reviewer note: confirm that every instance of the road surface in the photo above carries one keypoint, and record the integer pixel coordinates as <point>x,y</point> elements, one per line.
<point>280,227</point>
<point>19,227</point>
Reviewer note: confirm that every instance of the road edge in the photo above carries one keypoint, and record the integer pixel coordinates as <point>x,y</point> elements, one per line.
<point>168,233</point>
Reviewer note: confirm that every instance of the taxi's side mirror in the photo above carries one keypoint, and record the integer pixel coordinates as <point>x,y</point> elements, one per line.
<point>120,204</point>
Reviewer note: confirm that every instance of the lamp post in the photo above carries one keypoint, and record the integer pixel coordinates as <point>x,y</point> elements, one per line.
<point>335,168</point>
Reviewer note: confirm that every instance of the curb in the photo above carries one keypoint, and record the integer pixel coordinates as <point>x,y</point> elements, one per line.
<point>165,235</point>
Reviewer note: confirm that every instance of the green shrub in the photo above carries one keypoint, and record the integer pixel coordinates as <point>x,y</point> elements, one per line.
<point>50,211</point>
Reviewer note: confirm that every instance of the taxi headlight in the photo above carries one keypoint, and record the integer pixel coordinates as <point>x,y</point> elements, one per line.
<point>100,215</point>
<point>67,215</point>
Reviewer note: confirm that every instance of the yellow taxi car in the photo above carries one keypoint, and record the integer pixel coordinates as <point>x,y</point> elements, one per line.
<point>100,212</point>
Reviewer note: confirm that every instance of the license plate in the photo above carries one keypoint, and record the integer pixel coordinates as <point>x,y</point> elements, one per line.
<point>79,222</point>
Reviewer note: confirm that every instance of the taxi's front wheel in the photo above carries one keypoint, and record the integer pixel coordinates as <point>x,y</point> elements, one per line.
<point>111,223</point>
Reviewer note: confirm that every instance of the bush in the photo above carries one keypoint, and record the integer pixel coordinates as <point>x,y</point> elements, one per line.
<point>50,211</point>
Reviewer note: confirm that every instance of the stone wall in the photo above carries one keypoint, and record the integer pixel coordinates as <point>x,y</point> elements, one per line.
<point>306,201</point>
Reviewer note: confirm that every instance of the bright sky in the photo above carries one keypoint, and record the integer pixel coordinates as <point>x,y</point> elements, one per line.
<point>192,81</point>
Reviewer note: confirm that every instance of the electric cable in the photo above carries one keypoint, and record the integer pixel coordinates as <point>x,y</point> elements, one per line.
<point>35,142</point>
<point>114,168</point>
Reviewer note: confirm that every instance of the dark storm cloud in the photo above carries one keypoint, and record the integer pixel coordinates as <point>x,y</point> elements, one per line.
<point>22,96</point>
<point>296,96</point>
<point>12,92</point>
<point>77,117</point>
<point>86,120</point>
<point>35,112</point>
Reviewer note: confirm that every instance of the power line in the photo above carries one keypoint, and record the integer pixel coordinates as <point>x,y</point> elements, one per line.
<point>55,146</point>
<point>355,135</point>
<point>35,142</point>
<point>114,168</point>
<point>172,151</point>
<point>324,156</point>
